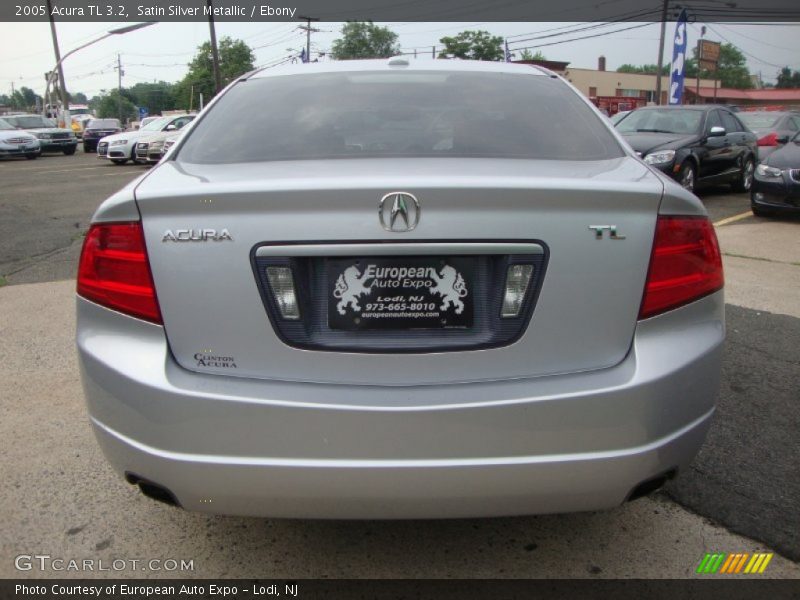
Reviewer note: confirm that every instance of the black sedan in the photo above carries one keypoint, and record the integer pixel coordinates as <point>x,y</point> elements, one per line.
<point>695,145</point>
<point>96,129</point>
<point>776,186</point>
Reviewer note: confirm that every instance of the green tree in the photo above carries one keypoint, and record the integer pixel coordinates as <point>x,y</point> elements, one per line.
<point>788,79</point>
<point>235,58</point>
<point>24,98</point>
<point>473,45</point>
<point>528,55</point>
<point>78,98</point>
<point>732,71</point>
<point>155,97</point>
<point>364,39</point>
<point>643,69</point>
<point>106,106</point>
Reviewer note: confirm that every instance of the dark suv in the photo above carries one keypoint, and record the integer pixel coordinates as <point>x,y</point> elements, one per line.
<point>694,144</point>
<point>96,129</point>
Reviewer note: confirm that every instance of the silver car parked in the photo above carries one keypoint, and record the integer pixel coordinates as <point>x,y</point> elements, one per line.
<point>397,290</point>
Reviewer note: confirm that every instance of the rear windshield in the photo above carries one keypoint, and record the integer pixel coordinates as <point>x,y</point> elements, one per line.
<point>759,120</point>
<point>399,114</point>
<point>103,124</point>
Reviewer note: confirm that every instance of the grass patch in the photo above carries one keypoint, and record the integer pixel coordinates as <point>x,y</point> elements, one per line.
<point>3,281</point>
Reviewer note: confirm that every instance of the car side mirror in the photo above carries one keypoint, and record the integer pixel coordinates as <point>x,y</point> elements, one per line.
<point>782,139</point>
<point>716,131</point>
<point>170,127</point>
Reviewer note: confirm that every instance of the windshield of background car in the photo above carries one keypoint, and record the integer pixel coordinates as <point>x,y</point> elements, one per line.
<point>396,114</point>
<point>31,122</point>
<point>679,121</point>
<point>103,124</point>
<point>618,117</point>
<point>156,125</point>
<point>759,120</point>
<point>4,125</point>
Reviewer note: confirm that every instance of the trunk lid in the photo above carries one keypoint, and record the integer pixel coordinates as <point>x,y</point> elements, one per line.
<point>216,320</point>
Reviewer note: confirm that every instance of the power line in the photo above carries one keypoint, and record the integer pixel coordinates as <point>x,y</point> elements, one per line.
<point>739,33</point>
<point>762,61</point>
<point>577,27</point>
<point>581,29</point>
<point>585,37</point>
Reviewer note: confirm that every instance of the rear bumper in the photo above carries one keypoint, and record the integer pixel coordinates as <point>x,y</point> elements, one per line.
<point>57,145</point>
<point>8,151</point>
<point>549,444</point>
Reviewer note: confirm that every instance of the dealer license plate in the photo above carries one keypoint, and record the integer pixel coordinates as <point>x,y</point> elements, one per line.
<point>401,293</point>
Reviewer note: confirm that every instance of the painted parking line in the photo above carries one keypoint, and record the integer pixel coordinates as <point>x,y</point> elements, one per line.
<point>73,170</point>
<point>92,168</point>
<point>40,169</point>
<point>733,219</point>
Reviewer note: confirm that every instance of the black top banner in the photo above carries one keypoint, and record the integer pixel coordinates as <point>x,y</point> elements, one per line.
<point>708,11</point>
<point>408,589</point>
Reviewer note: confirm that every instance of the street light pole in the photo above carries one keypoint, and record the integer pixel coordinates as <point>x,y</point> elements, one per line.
<point>214,49</point>
<point>117,31</point>
<point>119,88</point>
<point>62,87</point>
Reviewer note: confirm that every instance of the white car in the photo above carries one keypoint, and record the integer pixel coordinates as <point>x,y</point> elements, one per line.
<point>121,147</point>
<point>18,143</point>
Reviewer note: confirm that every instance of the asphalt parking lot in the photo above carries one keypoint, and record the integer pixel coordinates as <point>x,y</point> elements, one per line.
<point>61,499</point>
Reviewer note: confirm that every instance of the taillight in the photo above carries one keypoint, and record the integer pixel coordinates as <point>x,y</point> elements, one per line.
<point>685,265</point>
<point>771,139</point>
<point>114,270</point>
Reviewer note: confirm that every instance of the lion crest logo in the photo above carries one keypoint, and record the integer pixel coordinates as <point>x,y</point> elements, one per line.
<point>349,287</point>
<point>451,287</point>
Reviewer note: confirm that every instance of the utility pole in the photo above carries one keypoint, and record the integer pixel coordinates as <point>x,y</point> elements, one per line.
<point>62,88</point>
<point>214,49</point>
<point>119,87</point>
<point>308,30</point>
<point>664,9</point>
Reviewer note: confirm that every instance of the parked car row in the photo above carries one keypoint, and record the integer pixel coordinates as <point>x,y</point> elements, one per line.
<point>136,145</point>
<point>30,135</point>
<point>16,143</point>
<point>51,138</point>
<point>756,152</point>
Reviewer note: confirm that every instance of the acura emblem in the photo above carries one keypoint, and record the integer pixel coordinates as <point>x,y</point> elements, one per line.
<point>399,211</point>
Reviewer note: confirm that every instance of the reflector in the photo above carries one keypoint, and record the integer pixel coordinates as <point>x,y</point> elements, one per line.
<point>517,279</point>
<point>281,281</point>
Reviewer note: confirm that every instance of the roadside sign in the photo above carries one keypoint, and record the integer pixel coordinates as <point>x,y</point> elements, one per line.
<point>143,112</point>
<point>709,51</point>
<point>707,65</point>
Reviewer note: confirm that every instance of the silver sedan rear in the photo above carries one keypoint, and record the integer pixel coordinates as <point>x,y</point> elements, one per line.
<point>531,321</point>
